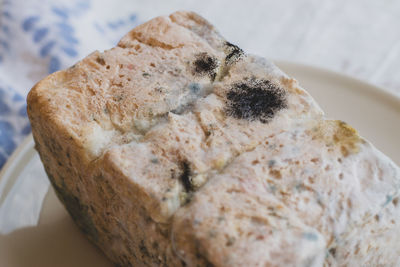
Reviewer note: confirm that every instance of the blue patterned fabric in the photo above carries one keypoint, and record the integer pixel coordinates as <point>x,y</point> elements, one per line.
<point>40,37</point>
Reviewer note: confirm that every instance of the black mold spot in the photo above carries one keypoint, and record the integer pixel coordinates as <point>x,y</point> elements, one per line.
<point>205,64</point>
<point>203,259</point>
<point>234,52</point>
<point>173,175</point>
<point>212,76</point>
<point>271,163</point>
<point>183,263</point>
<point>255,99</point>
<point>143,249</point>
<point>332,251</point>
<point>100,60</point>
<point>231,240</point>
<point>155,245</point>
<point>185,176</point>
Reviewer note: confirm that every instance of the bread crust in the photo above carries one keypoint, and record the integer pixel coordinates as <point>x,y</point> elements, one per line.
<point>176,148</point>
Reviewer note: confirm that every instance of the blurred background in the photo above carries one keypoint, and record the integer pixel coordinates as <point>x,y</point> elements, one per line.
<point>360,38</point>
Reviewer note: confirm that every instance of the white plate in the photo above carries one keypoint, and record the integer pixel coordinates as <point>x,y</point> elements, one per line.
<point>56,241</point>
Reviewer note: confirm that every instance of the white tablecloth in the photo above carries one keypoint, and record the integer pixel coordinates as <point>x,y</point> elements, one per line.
<point>358,37</point>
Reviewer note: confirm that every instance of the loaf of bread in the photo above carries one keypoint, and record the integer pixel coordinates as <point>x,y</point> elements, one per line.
<point>176,148</point>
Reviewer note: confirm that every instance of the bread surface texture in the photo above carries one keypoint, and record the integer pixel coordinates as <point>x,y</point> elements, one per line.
<point>177,148</point>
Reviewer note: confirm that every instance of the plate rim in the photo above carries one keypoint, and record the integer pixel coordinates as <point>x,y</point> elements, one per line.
<point>27,143</point>
<point>391,96</point>
<point>13,162</point>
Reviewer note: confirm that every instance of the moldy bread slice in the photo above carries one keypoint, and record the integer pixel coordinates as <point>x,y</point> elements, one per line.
<point>177,148</point>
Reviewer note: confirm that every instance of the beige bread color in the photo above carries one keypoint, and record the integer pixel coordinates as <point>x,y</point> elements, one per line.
<point>176,148</point>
